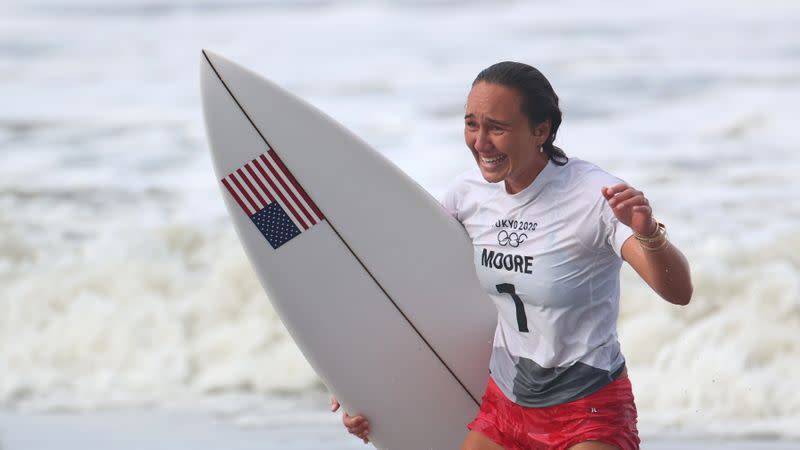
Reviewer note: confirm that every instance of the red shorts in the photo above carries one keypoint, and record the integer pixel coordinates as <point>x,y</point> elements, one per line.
<point>608,415</point>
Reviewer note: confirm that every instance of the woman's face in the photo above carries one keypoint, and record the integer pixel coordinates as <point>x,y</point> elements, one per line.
<point>500,136</point>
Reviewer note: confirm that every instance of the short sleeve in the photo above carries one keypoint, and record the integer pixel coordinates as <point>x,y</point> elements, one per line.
<point>449,201</point>
<point>453,198</point>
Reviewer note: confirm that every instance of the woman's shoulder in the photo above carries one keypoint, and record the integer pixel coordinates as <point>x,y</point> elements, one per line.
<point>471,175</point>
<point>586,175</point>
<point>464,185</point>
<point>465,181</point>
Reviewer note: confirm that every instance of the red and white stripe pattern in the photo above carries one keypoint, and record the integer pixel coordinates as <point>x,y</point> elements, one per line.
<point>265,180</point>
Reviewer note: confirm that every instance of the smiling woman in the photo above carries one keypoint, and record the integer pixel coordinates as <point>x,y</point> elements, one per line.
<point>500,137</point>
<point>508,112</point>
<point>557,375</point>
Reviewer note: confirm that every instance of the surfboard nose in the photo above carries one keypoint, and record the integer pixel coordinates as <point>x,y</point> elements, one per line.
<point>208,57</point>
<point>216,61</point>
<point>207,54</point>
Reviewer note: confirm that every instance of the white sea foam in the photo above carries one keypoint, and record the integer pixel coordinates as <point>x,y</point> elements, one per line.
<point>122,282</point>
<point>136,315</point>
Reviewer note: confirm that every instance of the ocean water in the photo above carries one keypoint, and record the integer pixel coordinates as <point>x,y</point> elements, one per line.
<point>122,283</point>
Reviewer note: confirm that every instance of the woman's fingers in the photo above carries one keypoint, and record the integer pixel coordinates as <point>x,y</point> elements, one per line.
<point>354,422</point>
<point>357,425</point>
<point>609,192</point>
<point>619,199</point>
<point>631,207</point>
<point>634,199</point>
<point>623,196</point>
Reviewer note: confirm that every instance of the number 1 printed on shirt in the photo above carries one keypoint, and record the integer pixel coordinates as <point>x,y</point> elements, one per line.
<point>522,319</point>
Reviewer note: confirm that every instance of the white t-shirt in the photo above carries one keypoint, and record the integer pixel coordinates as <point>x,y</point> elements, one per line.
<point>549,257</point>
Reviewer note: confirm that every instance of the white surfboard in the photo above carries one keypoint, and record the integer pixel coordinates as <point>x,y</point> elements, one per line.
<point>371,277</point>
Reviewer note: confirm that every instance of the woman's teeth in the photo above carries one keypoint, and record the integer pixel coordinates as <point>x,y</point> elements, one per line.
<point>493,160</point>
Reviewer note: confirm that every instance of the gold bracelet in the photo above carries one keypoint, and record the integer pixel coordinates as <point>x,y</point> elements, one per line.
<point>660,233</point>
<point>657,248</point>
<point>660,236</point>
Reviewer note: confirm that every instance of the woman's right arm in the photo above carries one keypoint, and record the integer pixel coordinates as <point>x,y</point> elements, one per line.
<point>356,425</point>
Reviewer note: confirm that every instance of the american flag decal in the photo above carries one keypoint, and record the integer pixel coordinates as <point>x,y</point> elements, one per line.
<point>272,198</point>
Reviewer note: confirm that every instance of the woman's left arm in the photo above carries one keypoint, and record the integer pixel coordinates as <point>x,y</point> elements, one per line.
<point>660,264</point>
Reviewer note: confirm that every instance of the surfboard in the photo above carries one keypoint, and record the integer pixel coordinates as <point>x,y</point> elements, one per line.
<point>371,277</point>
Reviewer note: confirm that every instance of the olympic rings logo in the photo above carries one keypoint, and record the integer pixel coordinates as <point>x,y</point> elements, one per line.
<point>513,239</point>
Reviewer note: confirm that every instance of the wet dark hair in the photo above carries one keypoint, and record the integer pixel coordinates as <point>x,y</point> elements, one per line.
<point>539,100</point>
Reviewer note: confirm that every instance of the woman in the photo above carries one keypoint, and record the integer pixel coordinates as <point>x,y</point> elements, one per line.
<point>557,377</point>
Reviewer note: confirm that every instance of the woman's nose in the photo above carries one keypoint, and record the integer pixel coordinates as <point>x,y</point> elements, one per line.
<point>482,141</point>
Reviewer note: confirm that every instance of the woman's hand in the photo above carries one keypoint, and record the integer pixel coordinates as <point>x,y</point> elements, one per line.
<point>357,425</point>
<point>631,208</point>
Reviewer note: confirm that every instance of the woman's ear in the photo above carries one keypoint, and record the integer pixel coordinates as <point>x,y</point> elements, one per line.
<point>542,129</point>
<point>541,133</point>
